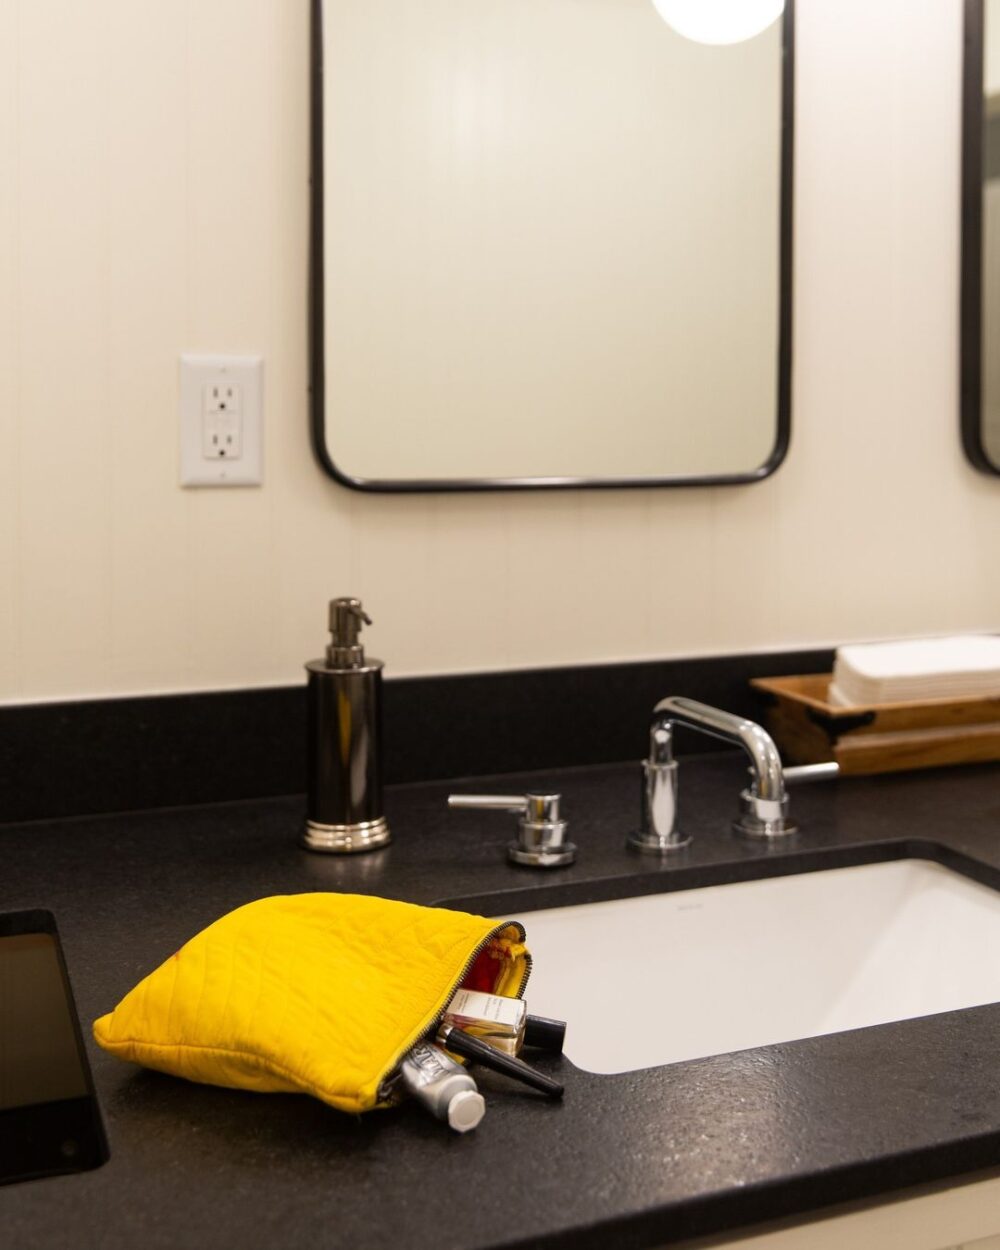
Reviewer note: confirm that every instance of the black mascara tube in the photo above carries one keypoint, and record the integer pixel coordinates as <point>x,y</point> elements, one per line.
<point>469,1047</point>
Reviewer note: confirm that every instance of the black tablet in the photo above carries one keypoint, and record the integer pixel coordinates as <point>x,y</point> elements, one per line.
<point>49,1118</point>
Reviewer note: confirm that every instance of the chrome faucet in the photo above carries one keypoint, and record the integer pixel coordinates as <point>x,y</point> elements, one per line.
<point>763,805</point>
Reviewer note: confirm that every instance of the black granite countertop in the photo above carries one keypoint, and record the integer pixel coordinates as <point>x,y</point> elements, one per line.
<point>639,1159</point>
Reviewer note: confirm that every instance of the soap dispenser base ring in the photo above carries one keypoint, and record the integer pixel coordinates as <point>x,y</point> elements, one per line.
<point>367,835</point>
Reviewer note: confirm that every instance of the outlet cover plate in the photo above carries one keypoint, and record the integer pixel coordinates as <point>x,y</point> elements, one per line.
<point>202,379</point>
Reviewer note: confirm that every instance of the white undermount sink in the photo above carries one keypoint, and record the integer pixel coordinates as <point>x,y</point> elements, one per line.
<point>666,977</point>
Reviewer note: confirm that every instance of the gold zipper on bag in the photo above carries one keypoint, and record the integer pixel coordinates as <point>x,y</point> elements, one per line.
<point>389,1077</point>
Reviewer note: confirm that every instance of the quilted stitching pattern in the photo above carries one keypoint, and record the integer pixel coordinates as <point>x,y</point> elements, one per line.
<point>317,993</point>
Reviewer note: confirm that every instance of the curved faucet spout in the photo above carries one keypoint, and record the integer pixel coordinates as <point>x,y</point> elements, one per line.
<point>769,781</point>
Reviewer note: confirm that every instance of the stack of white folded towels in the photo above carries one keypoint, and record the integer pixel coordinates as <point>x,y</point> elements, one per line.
<point>962,667</point>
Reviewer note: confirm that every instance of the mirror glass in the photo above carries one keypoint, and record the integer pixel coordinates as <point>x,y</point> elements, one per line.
<point>551,246</point>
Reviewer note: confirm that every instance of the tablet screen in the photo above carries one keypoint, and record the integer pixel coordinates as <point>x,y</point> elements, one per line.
<point>49,1121</point>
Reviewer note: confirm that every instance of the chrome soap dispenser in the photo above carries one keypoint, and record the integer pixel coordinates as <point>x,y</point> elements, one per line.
<point>344,807</point>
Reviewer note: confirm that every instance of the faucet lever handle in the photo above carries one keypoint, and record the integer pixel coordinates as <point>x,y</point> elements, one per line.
<point>541,832</point>
<point>538,806</point>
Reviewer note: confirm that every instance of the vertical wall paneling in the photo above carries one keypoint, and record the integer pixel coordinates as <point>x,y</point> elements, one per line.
<point>154,200</point>
<point>147,87</point>
<point>64,589</point>
<point>10,524</point>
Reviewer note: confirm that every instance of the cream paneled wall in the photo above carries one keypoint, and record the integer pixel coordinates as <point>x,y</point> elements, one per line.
<point>153,199</point>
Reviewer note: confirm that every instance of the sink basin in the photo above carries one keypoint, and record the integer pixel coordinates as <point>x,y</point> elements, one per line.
<point>667,977</point>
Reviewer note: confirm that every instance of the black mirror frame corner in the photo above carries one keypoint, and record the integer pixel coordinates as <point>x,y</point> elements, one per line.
<point>317,379</point>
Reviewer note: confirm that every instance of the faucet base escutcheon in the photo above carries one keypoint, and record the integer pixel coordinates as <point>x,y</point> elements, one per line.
<point>763,818</point>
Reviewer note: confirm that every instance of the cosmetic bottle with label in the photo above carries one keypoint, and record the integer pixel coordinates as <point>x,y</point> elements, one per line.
<point>497,1020</point>
<point>505,1023</point>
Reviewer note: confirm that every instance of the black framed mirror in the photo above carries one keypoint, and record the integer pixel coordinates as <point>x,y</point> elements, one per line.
<point>551,246</point>
<point>980,258</point>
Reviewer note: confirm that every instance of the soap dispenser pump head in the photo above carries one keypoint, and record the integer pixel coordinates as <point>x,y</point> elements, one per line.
<point>346,619</point>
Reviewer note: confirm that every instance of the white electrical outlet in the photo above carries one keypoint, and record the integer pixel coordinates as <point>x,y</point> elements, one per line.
<point>221,418</point>
<point>222,421</point>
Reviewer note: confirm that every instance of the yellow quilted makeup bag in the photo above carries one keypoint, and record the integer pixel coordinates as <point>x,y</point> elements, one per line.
<point>311,993</point>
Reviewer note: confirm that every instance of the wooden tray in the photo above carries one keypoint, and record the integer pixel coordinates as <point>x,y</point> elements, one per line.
<point>881,738</point>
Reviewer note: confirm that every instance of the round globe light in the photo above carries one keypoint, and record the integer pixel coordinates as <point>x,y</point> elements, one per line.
<point>719,21</point>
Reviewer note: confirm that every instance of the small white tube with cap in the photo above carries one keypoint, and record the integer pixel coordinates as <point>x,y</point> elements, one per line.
<point>443,1086</point>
